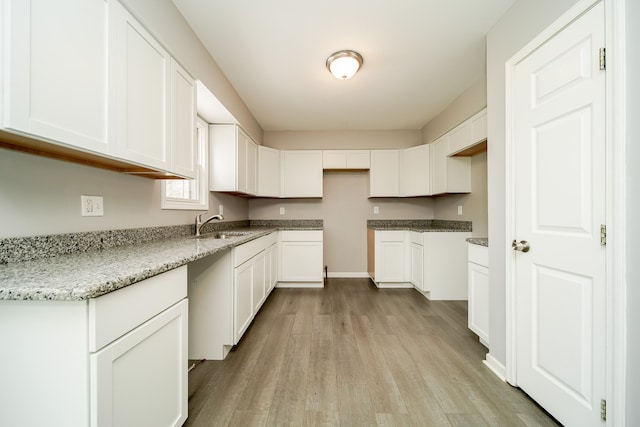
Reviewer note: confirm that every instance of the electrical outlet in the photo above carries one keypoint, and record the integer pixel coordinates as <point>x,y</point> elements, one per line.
<point>91,206</point>
<point>221,209</point>
<point>376,210</point>
<point>459,209</point>
<point>281,210</point>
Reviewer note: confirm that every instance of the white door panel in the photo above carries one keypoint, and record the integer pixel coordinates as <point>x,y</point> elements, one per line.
<point>559,154</point>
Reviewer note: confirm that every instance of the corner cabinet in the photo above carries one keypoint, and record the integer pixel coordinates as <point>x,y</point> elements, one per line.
<point>384,175</point>
<point>268,172</point>
<point>101,375</point>
<point>233,160</point>
<point>301,173</point>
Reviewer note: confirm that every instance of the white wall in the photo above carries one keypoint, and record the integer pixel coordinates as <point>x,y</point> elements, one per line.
<point>341,140</point>
<point>474,205</point>
<point>633,207</point>
<point>521,23</point>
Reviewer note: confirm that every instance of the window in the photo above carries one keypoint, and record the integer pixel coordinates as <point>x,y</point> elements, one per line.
<point>191,194</point>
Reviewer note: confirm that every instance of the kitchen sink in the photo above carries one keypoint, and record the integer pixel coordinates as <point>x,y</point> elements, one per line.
<point>223,235</point>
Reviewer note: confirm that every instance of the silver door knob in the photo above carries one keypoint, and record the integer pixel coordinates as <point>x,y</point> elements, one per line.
<point>522,246</point>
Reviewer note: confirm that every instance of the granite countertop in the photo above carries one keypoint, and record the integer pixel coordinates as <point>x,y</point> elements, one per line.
<point>88,274</point>
<point>482,241</point>
<point>420,225</point>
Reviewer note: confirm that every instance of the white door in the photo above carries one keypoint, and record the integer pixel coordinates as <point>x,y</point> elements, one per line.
<point>559,149</point>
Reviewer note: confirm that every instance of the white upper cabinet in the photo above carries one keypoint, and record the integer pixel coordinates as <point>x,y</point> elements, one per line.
<point>233,160</point>
<point>55,71</point>
<point>346,159</point>
<point>384,176</point>
<point>468,134</point>
<point>183,122</point>
<point>84,74</point>
<point>141,108</point>
<point>268,172</point>
<point>449,174</point>
<point>301,173</point>
<point>415,171</point>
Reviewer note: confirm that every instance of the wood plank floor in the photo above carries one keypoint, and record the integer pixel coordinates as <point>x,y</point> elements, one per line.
<point>351,354</point>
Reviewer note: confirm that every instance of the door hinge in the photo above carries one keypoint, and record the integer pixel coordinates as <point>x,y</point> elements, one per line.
<point>603,410</point>
<point>603,234</point>
<point>603,59</point>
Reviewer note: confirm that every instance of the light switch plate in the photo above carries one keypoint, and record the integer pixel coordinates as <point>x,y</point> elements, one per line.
<point>376,210</point>
<point>92,206</point>
<point>282,211</point>
<point>459,209</point>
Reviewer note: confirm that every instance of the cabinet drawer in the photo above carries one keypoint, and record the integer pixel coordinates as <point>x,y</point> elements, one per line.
<point>479,254</point>
<point>114,314</point>
<point>391,235</point>
<point>416,238</point>
<point>301,235</point>
<point>248,250</point>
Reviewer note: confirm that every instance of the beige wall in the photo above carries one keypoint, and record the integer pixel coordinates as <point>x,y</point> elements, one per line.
<point>345,207</point>
<point>474,205</point>
<point>516,28</point>
<point>341,140</point>
<point>464,106</point>
<point>345,210</point>
<point>42,196</point>
<point>167,24</point>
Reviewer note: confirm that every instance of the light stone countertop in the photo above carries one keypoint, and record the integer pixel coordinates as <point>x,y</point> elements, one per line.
<point>85,275</point>
<point>421,225</point>
<point>481,241</point>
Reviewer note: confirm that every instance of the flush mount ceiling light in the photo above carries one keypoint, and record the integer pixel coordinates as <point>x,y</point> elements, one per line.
<point>344,64</point>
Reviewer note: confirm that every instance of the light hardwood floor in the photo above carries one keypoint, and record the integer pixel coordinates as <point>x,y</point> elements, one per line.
<point>351,354</point>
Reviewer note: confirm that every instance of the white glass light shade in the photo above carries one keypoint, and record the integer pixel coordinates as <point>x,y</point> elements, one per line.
<point>344,64</point>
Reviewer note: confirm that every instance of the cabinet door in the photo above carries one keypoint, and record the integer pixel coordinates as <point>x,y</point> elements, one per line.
<point>459,138</point>
<point>274,263</point>
<point>242,299</point>
<point>126,389</point>
<point>358,159</point>
<point>301,262</point>
<point>268,172</point>
<point>391,261</point>
<point>301,173</point>
<point>415,174</point>
<point>439,149</point>
<point>142,99</point>
<point>334,159</point>
<point>384,175</point>
<point>259,281</point>
<point>56,71</point>
<point>183,122</point>
<point>479,301</point>
<point>417,261</point>
<point>247,166</point>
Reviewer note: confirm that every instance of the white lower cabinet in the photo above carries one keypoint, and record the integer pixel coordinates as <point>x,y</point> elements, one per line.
<point>432,262</point>
<point>119,359</point>
<point>478,268</point>
<point>416,250</point>
<point>301,258</point>
<point>391,260</point>
<point>242,299</point>
<point>126,389</point>
<point>227,290</point>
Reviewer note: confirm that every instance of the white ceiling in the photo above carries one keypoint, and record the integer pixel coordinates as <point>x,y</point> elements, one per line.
<point>419,55</point>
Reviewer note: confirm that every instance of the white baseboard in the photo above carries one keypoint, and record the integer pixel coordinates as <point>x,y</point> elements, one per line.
<point>394,285</point>
<point>350,275</point>
<point>300,285</point>
<point>496,367</point>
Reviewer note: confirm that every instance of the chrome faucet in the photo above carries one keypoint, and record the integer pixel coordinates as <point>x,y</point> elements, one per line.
<point>200,223</point>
